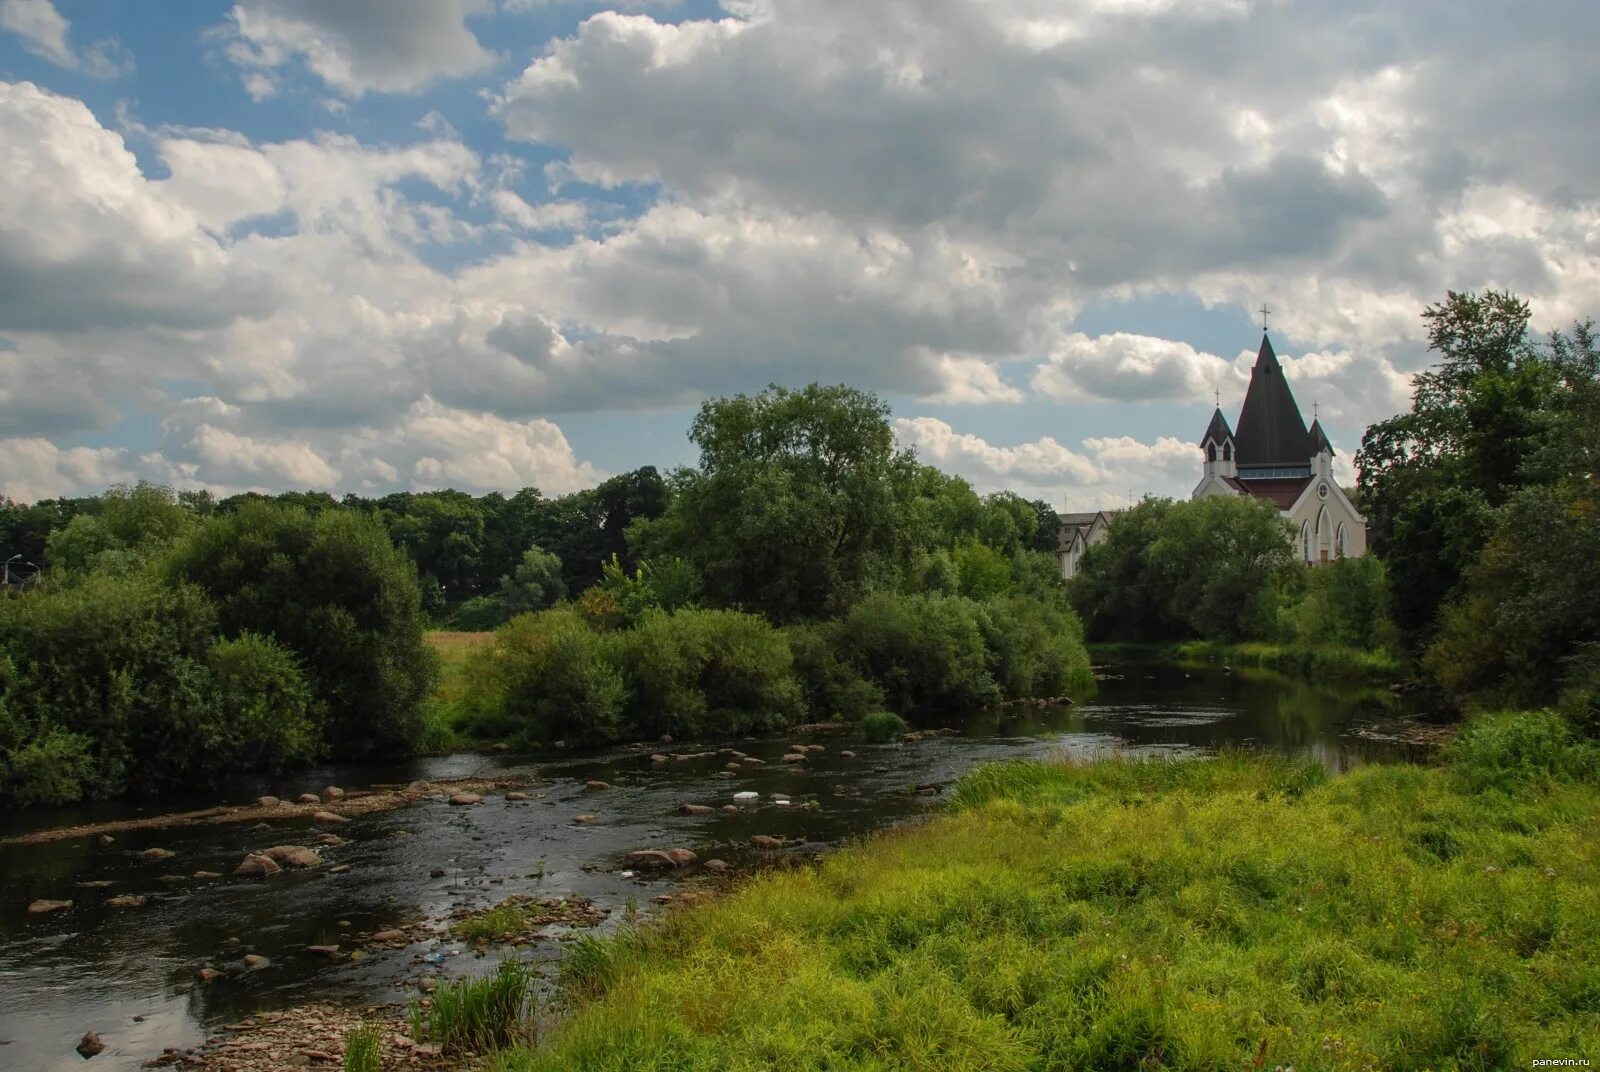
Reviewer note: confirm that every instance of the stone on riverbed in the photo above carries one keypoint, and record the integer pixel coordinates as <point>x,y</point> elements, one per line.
<point>596,786</point>
<point>107,839</point>
<point>515,796</point>
<point>847,754</point>
<point>292,856</point>
<point>208,874</point>
<point>207,975</point>
<point>255,962</point>
<point>696,809</point>
<point>657,859</point>
<point>309,798</point>
<point>715,865</point>
<point>333,792</point>
<point>89,1045</point>
<point>157,854</point>
<point>586,818</point>
<point>766,841</point>
<point>462,800</point>
<point>794,757</point>
<point>323,950</point>
<point>268,802</point>
<point>44,904</point>
<point>126,900</point>
<point>328,817</point>
<point>257,864</point>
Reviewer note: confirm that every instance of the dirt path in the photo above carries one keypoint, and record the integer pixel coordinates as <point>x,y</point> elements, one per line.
<point>357,802</point>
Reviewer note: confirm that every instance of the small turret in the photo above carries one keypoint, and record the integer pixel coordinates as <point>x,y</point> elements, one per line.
<point>1322,450</point>
<point>1218,445</point>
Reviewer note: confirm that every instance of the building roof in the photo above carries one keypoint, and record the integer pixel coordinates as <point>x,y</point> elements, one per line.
<point>1319,439</point>
<point>1217,431</point>
<point>1281,493</point>
<point>1079,519</point>
<point>1271,430</point>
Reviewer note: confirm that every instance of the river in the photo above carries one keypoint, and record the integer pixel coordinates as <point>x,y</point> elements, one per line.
<point>130,973</point>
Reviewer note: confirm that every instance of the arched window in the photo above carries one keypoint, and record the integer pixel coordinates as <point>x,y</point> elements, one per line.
<point>1305,540</point>
<point>1227,452</point>
<point>1211,452</point>
<point>1338,541</point>
<point>1324,536</point>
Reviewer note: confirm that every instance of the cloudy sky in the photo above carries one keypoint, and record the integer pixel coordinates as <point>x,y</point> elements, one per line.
<point>373,244</point>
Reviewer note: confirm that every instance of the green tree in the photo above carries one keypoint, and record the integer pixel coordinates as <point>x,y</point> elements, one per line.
<point>332,589</point>
<point>534,585</point>
<point>1222,562</point>
<point>795,501</point>
<point>126,527</point>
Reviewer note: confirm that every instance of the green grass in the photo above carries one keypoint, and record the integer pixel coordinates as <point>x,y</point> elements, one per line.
<point>882,726</point>
<point>447,707</point>
<point>1324,663</point>
<point>363,1048</point>
<point>1230,913</point>
<point>477,1015</point>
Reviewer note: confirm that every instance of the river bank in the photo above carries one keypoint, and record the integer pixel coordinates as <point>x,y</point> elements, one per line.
<point>1331,664</point>
<point>97,967</point>
<point>1246,912</point>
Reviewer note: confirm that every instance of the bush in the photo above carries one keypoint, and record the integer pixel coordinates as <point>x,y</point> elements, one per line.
<point>265,717</point>
<point>331,588</point>
<point>1580,698</point>
<point>112,688</point>
<point>1345,603</point>
<point>880,727</point>
<point>1035,649</point>
<point>833,688</point>
<point>479,614</point>
<point>1506,752</point>
<point>695,672</point>
<point>925,652</point>
<point>546,677</point>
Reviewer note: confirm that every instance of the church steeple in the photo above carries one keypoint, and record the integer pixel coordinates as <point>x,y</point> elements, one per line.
<point>1271,430</point>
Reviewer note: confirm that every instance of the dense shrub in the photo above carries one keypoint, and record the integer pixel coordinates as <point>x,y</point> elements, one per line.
<point>1345,603</point>
<point>545,678</point>
<point>120,683</point>
<point>1509,751</point>
<point>1035,648</point>
<point>331,588</point>
<point>925,652</point>
<point>833,687</point>
<point>694,672</point>
<point>264,715</point>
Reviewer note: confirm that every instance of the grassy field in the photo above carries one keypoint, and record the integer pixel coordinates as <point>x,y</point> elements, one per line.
<point>454,650</point>
<point>1237,913</point>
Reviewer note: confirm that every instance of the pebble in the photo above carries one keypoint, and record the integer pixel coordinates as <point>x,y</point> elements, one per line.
<point>268,802</point>
<point>206,975</point>
<point>794,757</point>
<point>323,950</point>
<point>127,900</point>
<point>333,792</point>
<point>309,798</point>
<point>595,787</point>
<point>696,809</point>
<point>44,904</point>
<point>516,796</point>
<point>255,962</point>
<point>157,854</point>
<point>586,819</point>
<point>461,800</point>
<point>847,754</point>
<point>328,817</point>
<point>107,839</point>
<point>208,874</point>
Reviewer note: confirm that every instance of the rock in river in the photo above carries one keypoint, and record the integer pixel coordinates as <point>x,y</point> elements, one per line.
<point>328,817</point>
<point>323,950</point>
<point>292,856</point>
<point>461,800</point>
<point>696,809</point>
<point>257,864</point>
<point>126,900</point>
<point>309,798</point>
<point>595,787</point>
<point>333,792</point>
<point>89,1045</point>
<point>515,796</point>
<point>794,757</point>
<point>766,841</point>
<point>682,857</point>
<point>656,858</point>
<point>44,904</point>
<point>255,962</point>
<point>157,854</point>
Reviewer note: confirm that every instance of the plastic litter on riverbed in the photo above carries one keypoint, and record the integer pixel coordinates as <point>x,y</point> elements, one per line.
<point>746,797</point>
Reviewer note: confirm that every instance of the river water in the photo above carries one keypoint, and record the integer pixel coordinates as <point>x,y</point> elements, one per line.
<point>93,967</point>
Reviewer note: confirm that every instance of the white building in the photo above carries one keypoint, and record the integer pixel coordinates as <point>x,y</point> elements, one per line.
<point>1272,456</point>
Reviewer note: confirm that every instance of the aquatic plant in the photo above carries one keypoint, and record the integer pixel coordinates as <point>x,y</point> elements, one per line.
<point>477,1015</point>
<point>882,726</point>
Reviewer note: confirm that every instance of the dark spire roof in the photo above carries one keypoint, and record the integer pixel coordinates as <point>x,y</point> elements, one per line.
<point>1319,439</point>
<point>1271,430</point>
<point>1217,431</point>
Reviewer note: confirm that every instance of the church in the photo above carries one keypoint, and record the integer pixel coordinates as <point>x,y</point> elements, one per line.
<point>1272,456</point>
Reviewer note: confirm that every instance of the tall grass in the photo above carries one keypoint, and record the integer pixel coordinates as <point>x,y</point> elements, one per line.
<point>1320,662</point>
<point>882,726</point>
<point>477,1015</point>
<point>363,1048</point>
<point>1231,913</point>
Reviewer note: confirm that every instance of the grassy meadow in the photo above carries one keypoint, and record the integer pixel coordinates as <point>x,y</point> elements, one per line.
<point>1236,913</point>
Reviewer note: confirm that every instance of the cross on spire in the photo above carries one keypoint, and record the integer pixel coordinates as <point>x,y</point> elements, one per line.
<point>1264,312</point>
